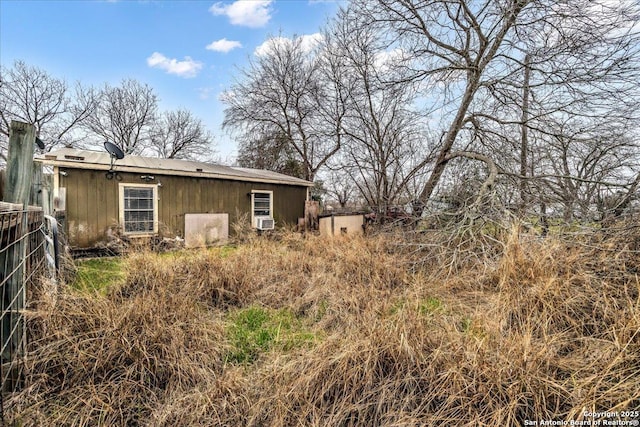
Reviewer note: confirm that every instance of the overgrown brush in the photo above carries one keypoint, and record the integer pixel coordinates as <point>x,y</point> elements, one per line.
<point>583,325</point>
<point>549,339</point>
<point>345,331</point>
<point>110,361</point>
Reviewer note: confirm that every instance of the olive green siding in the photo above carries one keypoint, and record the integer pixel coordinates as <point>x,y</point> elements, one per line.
<point>92,202</point>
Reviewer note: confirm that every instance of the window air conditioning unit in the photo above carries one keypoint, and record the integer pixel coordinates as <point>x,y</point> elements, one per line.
<point>265,223</point>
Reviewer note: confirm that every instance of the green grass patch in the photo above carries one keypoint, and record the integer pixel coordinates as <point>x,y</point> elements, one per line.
<point>425,307</point>
<point>472,328</point>
<point>97,275</point>
<point>223,251</point>
<point>256,330</point>
<point>431,305</point>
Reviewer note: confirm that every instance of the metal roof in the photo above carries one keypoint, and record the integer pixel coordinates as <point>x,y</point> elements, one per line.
<point>99,160</point>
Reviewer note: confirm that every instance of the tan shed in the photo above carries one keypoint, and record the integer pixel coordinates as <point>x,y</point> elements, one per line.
<point>340,224</point>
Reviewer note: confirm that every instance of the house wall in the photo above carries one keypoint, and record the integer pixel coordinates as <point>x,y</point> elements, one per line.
<point>92,202</point>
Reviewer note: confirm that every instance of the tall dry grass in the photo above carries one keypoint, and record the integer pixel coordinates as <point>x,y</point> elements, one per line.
<point>536,329</point>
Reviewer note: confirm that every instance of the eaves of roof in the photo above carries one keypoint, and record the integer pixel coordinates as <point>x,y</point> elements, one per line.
<point>95,160</point>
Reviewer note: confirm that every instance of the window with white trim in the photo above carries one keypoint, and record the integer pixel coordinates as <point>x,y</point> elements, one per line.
<point>139,208</point>
<point>261,205</point>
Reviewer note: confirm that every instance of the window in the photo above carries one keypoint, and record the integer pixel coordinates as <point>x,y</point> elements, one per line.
<point>139,208</point>
<point>261,205</point>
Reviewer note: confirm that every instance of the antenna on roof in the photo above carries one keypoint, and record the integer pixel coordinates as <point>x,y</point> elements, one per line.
<point>116,153</point>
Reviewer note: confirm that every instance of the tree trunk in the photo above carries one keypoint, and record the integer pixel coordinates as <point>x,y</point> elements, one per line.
<point>524,143</point>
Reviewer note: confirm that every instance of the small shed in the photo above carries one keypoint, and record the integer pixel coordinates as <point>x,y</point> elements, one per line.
<point>336,224</point>
<point>142,197</point>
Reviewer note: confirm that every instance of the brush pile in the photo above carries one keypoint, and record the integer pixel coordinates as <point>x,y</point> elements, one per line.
<point>344,331</point>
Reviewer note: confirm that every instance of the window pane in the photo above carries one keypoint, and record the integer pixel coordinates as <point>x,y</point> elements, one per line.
<point>138,209</point>
<point>262,204</point>
<point>145,204</point>
<point>138,192</point>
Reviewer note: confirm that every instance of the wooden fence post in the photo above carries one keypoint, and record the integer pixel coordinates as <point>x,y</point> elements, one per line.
<point>3,179</point>
<point>17,189</point>
<point>35,198</point>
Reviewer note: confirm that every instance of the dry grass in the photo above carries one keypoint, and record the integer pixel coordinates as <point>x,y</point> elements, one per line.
<point>344,332</point>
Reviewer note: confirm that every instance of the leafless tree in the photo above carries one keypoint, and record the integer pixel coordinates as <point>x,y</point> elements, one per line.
<point>340,187</point>
<point>277,94</point>
<point>450,44</point>
<point>497,75</point>
<point>378,125</point>
<point>179,135</point>
<point>574,95</point>
<point>272,152</point>
<point>580,165</point>
<point>31,95</point>
<point>125,116</point>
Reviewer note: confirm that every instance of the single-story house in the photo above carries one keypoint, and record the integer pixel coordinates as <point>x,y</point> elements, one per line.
<point>142,196</point>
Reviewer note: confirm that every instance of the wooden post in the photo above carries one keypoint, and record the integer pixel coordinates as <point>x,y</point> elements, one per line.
<point>17,189</point>
<point>22,138</point>
<point>36,199</point>
<point>311,211</point>
<point>3,179</point>
<point>47,193</point>
<point>524,138</point>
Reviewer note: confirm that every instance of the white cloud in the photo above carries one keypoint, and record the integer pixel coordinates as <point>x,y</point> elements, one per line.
<point>247,13</point>
<point>268,44</point>
<point>307,42</point>
<point>224,45</point>
<point>186,68</point>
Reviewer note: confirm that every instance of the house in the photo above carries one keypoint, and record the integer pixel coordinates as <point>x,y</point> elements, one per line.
<point>141,196</point>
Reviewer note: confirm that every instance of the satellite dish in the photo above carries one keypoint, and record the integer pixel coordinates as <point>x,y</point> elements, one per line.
<point>39,143</point>
<point>113,150</point>
<point>116,153</point>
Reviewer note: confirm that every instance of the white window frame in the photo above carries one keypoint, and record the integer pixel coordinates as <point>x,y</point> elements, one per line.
<point>121,187</point>
<point>254,218</point>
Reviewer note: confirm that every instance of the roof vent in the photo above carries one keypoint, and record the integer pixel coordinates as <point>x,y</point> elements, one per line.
<point>70,157</point>
<point>199,170</point>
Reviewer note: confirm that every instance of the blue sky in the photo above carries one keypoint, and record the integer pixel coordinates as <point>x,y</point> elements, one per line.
<point>187,51</point>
